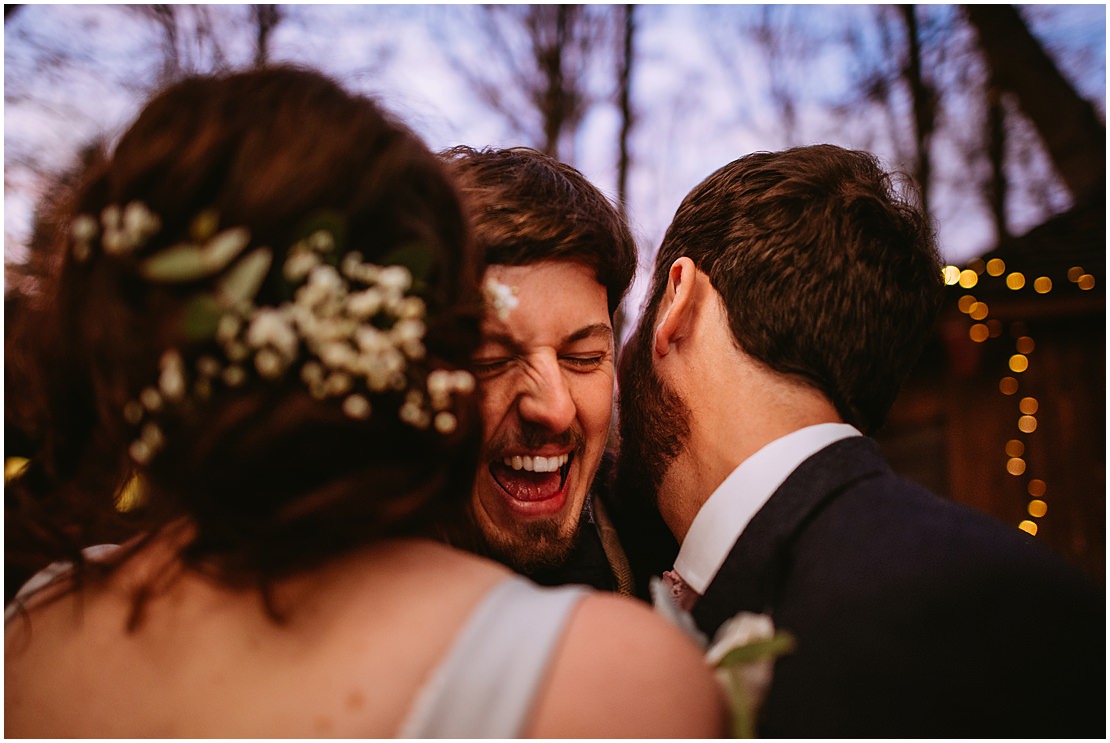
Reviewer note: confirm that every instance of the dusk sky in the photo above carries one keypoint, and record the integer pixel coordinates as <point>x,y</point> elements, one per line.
<point>702,92</point>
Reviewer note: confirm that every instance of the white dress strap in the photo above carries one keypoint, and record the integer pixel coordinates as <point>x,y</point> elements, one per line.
<point>46,577</point>
<point>486,685</point>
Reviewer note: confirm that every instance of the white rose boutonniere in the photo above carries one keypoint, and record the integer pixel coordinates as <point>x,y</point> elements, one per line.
<point>743,653</point>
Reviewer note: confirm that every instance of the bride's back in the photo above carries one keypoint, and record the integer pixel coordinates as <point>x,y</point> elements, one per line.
<point>356,641</point>
<point>359,642</point>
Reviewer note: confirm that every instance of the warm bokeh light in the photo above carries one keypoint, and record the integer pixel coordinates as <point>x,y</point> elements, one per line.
<point>1025,345</point>
<point>1037,508</point>
<point>952,275</point>
<point>1015,280</point>
<point>1007,385</point>
<point>1074,273</point>
<point>1036,488</point>
<point>1018,363</point>
<point>1014,448</point>
<point>979,332</point>
<point>131,495</point>
<point>1015,466</point>
<point>1027,424</point>
<point>977,265</point>
<point>1086,282</point>
<point>996,266</point>
<point>968,278</point>
<point>1029,527</point>
<point>965,302</point>
<point>1028,405</point>
<point>978,311</point>
<point>14,467</point>
<point>1042,285</point>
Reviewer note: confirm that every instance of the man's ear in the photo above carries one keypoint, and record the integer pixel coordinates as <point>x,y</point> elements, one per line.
<point>677,305</point>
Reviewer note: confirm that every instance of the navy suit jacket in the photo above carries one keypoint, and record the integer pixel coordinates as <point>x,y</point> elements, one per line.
<point>914,616</point>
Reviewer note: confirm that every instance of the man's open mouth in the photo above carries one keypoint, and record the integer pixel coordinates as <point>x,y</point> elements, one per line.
<point>532,478</point>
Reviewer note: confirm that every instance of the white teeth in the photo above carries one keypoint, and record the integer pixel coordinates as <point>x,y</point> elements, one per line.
<point>536,464</point>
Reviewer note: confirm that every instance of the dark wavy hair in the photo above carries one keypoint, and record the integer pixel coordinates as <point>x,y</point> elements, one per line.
<point>273,480</point>
<point>526,207</point>
<point>827,271</point>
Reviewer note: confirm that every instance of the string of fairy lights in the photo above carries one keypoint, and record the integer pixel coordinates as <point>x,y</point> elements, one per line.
<point>983,328</point>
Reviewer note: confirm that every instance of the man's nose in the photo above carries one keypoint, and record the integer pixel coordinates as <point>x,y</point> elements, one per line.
<point>547,400</point>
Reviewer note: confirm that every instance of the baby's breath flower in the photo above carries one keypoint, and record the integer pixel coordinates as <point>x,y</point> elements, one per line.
<point>356,329</point>
<point>411,308</point>
<point>446,422</point>
<point>228,327</point>
<point>321,241</point>
<point>139,223</point>
<point>234,376</point>
<point>337,383</point>
<point>208,366</point>
<point>395,278</point>
<point>365,304</point>
<point>312,372</point>
<point>268,363</point>
<point>84,228</point>
<point>299,264</point>
<point>172,379</point>
<point>272,328</point>
<point>133,412</point>
<point>151,399</point>
<point>356,406</point>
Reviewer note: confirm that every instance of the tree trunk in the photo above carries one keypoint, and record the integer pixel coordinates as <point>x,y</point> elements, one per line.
<point>624,96</point>
<point>924,109</point>
<point>1068,124</point>
<point>996,154</point>
<point>266,18</point>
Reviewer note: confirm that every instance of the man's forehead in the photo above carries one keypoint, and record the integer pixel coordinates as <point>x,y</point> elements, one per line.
<point>549,302</point>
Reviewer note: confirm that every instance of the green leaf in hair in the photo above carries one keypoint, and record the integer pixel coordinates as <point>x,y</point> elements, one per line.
<point>187,262</point>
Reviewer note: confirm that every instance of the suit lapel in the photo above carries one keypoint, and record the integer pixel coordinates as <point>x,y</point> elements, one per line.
<point>748,580</point>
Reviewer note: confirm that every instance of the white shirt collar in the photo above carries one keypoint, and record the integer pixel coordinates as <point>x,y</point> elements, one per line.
<point>723,517</point>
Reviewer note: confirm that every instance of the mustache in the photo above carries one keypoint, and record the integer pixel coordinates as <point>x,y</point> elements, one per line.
<point>536,437</point>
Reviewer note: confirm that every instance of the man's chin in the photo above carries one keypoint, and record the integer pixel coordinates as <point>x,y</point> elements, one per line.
<point>532,546</point>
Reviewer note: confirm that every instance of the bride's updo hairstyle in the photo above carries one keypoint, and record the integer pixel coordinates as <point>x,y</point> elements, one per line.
<point>263,304</point>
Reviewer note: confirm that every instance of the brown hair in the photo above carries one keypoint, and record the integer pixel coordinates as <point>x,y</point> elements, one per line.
<point>526,207</point>
<point>274,480</point>
<point>826,272</point>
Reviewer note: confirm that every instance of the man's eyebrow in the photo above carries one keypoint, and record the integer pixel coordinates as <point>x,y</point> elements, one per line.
<point>590,331</point>
<point>513,345</point>
<point>502,339</point>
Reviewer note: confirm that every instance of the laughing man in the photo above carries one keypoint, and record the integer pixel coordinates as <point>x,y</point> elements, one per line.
<point>560,259</point>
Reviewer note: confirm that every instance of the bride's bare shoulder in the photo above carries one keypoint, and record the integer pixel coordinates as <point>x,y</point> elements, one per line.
<point>624,671</point>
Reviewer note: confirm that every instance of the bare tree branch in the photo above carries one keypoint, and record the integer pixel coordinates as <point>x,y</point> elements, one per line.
<point>924,105</point>
<point>1066,122</point>
<point>266,19</point>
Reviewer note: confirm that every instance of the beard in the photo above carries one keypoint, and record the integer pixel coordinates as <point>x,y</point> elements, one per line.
<point>654,424</point>
<point>532,546</point>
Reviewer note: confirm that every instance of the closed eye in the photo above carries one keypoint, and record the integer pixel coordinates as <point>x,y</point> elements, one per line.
<point>583,362</point>
<point>487,368</point>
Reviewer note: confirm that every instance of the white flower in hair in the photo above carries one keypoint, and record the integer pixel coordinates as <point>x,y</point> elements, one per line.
<point>299,264</point>
<point>366,303</point>
<point>273,328</point>
<point>172,379</point>
<point>395,278</point>
<point>353,330</point>
<point>501,298</point>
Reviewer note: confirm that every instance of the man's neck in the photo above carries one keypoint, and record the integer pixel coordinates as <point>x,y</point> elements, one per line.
<point>725,435</point>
